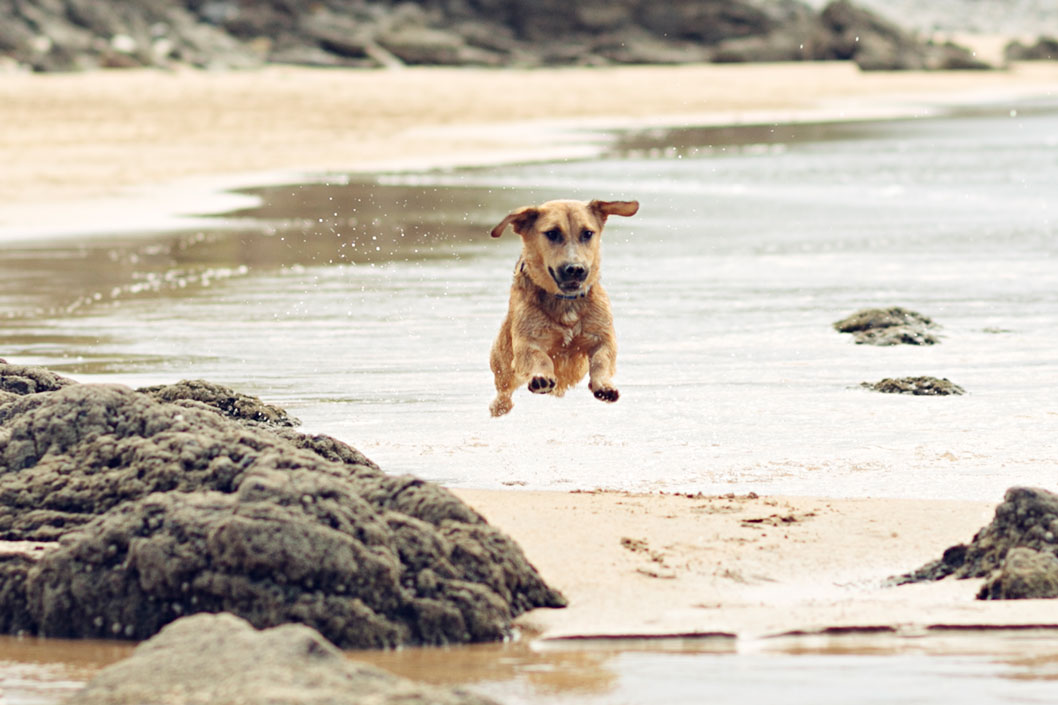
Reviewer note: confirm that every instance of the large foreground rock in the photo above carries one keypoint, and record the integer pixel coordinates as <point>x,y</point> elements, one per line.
<point>158,509</point>
<point>221,660</point>
<point>1016,552</point>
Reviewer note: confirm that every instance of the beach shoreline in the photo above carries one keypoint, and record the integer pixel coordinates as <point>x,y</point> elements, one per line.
<point>141,150</point>
<point>145,150</point>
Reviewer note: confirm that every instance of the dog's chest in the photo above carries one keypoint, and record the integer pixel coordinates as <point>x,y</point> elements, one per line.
<point>571,326</point>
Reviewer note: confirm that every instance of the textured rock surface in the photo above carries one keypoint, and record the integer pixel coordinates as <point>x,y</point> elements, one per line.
<point>1025,574</point>
<point>58,35</point>
<point>1026,519</point>
<point>220,659</point>
<point>227,401</point>
<point>888,326</point>
<point>918,386</point>
<point>162,509</point>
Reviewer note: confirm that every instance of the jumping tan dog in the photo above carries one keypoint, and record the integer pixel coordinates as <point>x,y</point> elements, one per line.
<point>559,326</point>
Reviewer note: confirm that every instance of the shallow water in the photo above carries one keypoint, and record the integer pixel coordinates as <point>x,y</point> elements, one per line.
<point>368,308</point>
<point>1016,666</point>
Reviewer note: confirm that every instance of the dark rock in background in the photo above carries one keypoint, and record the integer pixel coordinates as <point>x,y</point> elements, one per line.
<point>888,326</point>
<point>918,386</point>
<point>874,43</point>
<point>1018,551</point>
<point>1045,49</point>
<point>63,35</point>
<point>156,509</point>
<point>222,660</point>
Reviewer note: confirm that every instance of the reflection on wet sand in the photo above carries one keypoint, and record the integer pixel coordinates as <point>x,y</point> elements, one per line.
<point>301,225</point>
<point>544,667</point>
<point>820,666</point>
<point>35,670</point>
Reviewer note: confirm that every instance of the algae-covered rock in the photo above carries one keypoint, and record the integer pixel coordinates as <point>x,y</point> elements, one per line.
<point>888,326</point>
<point>918,386</point>
<point>222,660</point>
<point>17,379</point>
<point>1026,519</point>
<point>223,399</point>
<point>1025,574</point>
<point>163,509</point>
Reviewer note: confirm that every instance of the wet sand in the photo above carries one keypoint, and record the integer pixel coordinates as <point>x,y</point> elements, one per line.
<point>123,149</point>
<point>745,566</point>
<point>110,150</point>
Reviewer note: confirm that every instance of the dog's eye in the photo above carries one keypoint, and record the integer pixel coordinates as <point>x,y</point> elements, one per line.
<point>586,235</point>
<point>554,235</point>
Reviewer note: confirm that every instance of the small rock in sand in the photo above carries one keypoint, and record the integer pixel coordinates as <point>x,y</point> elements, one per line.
<point>919,386</point>
<point>1017,552</point>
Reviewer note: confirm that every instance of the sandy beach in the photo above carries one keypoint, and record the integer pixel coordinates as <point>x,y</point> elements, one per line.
<point>745,566</point>
<point>122,150</point>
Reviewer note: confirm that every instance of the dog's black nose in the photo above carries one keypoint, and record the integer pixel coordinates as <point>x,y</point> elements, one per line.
<point>573,272</point>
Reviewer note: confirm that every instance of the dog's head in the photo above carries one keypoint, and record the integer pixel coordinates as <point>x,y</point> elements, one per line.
<point>560,241</point>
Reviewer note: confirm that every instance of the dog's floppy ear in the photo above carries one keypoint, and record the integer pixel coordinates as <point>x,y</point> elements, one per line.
<point>605,208</point>
<point>522,219</point>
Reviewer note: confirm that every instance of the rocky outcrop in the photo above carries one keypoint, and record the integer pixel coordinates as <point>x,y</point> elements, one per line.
<point>220,659</point>
<point>158,509</point>
<point>874,43</point>
<point>918,386</point>
<point>1017,552</point>
<point>1045,49</point>
<point>888,326</point>
<point>50,35</point>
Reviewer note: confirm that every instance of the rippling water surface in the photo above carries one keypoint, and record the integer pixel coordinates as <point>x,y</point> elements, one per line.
<point>368,308</point>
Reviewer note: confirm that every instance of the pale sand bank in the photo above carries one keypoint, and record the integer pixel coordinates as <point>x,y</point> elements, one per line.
<point>751,567</point>
<point>121,150</point>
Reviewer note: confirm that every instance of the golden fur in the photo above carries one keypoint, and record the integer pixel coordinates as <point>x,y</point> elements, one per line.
<point>559,326</point>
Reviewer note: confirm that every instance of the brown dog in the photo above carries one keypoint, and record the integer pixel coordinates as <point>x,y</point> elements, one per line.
<point>559,326</point>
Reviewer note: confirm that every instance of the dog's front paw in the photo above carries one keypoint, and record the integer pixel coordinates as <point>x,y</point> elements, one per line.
<point>542,385</point>
<point>608,394</point>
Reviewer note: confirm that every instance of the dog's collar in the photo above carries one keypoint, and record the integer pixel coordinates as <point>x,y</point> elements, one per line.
<point>564,297</point>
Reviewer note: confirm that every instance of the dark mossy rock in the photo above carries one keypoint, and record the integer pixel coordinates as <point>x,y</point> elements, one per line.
<point>1026,519</point>
<point>918,386</point>
<point>17,379</point>
<point>222,660</point>
<point>1025,574</point>
<point>161,509</point>
<point>888,326</point>
<point>225,400</point>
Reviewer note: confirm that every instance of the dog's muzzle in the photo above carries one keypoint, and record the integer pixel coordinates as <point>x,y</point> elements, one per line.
<point>569,277</point>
